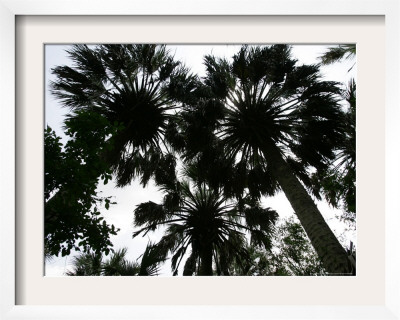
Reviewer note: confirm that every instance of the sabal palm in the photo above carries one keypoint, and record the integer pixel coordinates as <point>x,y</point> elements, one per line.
<point>118,265</point>
<point>86,264</point>
<point>92,264</point>
<point>280,116</point>
<point>134,87</point>
<point>207,223</point>
<point>347,150</point>
<point>339,180</point>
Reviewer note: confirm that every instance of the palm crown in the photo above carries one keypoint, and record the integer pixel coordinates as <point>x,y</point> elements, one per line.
<point>271,100</point>
<point>134,87</point>
<point>208,223</point>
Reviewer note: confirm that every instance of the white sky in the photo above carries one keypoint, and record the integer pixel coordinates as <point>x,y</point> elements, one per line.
<point>121,214</point>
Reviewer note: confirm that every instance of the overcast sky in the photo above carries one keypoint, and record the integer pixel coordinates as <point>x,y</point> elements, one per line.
<point>121,215</point>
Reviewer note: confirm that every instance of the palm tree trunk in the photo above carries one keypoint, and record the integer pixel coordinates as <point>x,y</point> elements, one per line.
<point>325,243</point>
<point>206,261</point>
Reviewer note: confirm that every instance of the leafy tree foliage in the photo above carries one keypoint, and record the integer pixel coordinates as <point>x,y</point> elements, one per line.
<point>291,255</point>
<point>73,221</point>
<point>295,254</point>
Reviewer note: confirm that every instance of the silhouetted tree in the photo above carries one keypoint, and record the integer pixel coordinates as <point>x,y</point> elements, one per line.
<point>92,264</point>
<point>73,221</point>
<point>253,126</point>
<point>281,118</point>
<point>212,226</point>
<point>291,255</point>
<point>338,181</point>
<point>134,86</point>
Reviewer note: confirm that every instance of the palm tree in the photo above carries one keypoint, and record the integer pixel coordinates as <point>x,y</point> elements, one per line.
<point>338,182</point>
<point>92,264</point>
<point>207,223</point>
<point>135,88</point>
<point>118,265</point>
<point>280,117</point>
<point>86,264</point>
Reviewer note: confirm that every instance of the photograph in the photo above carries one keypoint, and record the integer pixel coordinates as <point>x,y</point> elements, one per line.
<point>200,159</point>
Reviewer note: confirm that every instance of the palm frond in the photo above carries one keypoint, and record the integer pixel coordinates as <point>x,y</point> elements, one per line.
<point>338,53</point>
<point>135,88</point>
<point>151,260</point>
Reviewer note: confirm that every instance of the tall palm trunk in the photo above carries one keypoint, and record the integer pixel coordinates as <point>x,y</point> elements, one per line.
<point>206,261</point>
<point>325,243</point>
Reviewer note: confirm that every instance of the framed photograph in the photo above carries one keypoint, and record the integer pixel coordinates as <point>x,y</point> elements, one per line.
<point>28,26</point>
